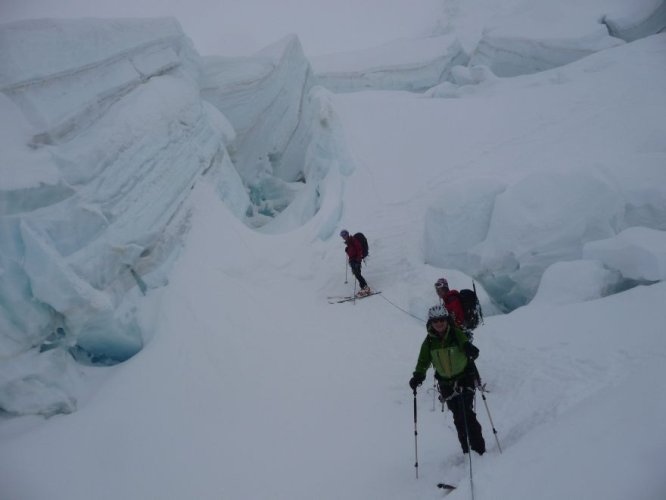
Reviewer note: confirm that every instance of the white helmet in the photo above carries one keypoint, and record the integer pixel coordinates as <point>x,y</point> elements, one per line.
<point>438,311</point>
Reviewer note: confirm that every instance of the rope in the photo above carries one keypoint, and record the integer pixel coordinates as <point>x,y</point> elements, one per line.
<point>401,309</point>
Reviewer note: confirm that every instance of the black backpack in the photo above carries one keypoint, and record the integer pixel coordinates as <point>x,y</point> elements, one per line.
<point>471,307</point>
<point>364,243</point>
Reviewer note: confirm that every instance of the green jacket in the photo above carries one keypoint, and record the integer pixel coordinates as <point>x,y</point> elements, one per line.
<point>446,354</point>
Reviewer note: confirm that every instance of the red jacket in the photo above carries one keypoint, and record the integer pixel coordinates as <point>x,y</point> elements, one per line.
<point>454,306</point>
<point>354,249</point>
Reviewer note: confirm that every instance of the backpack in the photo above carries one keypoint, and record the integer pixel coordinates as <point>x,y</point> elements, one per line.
<point>364,243</point>
<point>470,304</point>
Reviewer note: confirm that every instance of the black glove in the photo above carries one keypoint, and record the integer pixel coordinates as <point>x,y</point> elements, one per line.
<point>416,380</point>
<point>471,351</point>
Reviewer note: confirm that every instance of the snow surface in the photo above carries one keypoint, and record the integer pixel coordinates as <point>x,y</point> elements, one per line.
<point>126,228</point>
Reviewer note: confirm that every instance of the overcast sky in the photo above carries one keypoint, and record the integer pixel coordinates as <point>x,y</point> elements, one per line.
<point>237,27</point>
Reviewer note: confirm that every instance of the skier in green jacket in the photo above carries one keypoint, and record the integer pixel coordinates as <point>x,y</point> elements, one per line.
<point>447,348</point>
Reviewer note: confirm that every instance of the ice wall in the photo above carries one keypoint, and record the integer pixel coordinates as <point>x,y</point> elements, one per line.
<point>638,253</point>
<point>509,54</point>
<point>104,132</point>
<point>412,65</point>
<point>108,133</point>
<point>113,122</point>
<point>531,39</point>
<point>265,97</point>
<point>642,19</point>
<point>523,38</point>
<point>290,148</point>
<point>583,192</point>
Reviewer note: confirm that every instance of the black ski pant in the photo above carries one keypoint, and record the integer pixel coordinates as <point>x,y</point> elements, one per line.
<point>356,271</point>
<point>460,400</point>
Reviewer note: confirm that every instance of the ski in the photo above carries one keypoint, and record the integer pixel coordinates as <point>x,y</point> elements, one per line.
<point>446,486</point>
<point>348,299</point>
<point>339,297</point>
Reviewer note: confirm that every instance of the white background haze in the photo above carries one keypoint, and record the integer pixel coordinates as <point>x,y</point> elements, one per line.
<point>240,27</point>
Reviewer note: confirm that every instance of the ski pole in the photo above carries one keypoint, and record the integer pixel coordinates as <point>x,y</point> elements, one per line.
<point>483,396</point>
<point>416,447</point>
<point>346,266</point>
<point>461,397</point>
<point>485,403</point>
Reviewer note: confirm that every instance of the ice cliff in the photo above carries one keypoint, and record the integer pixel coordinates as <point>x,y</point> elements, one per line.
<point>392,66</point>
<point>523,40</point>
<point>113,123</point>
<point>109,134</point>
<point>265,97</point>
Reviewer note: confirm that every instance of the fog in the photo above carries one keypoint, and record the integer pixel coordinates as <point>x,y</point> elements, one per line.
<point>232,27</point>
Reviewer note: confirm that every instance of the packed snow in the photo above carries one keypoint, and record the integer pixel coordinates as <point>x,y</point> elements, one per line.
<point>169,248</point>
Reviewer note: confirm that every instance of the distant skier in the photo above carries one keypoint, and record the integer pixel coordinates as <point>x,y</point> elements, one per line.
<point>451,300</point>
<point>447,348</point>
<point>463,305</point>
<point>355,255</point>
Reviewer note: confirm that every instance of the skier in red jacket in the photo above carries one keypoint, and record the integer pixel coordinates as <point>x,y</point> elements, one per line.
<point>354,252</point>
<point>451,300</point>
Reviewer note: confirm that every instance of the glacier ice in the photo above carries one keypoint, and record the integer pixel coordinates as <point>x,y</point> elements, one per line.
<point>264,97</point>
<point>637,253</point>
<point>392,66</point>
<point>510,55</point>
<point>38,383</point>
<point>576,281</point>
<point>463,209</point>
<point>287,138</point>
<point>638,20</point>
<point>103,141</point>
<point>113,134</point>
<point>507,236</point>
<point>326,163</point>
